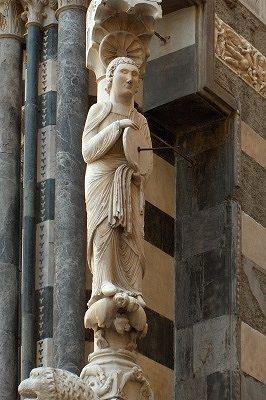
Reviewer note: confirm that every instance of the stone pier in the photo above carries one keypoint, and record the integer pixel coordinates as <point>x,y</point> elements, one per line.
<point>10,108</point>
<point>70,221</point>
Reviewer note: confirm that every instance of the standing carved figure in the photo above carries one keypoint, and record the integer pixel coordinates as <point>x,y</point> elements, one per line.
<point>114,186</point>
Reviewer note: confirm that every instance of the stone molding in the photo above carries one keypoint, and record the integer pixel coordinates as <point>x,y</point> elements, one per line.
<point>70,4</point>
<point>240,56</point>
<point>10,20</point>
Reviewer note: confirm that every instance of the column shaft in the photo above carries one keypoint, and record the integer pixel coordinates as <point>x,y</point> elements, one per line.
<point>70,236</point>
<point>10,109</point>
<point>28,344</point>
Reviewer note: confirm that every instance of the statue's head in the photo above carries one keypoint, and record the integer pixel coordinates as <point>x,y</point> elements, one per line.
<point>123,75</point>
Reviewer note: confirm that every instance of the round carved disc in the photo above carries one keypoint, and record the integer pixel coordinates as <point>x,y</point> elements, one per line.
<point>138,160</point>
<point>121,44</point>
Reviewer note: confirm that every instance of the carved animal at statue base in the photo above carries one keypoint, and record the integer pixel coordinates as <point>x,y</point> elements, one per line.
<point>55,384</point>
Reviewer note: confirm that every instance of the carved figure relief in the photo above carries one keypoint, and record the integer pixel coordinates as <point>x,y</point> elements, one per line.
<point>115,177</point>
<point>240,56</point>
<point>114,385</point>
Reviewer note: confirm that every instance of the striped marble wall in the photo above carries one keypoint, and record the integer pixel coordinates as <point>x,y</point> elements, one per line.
<point>155,351</point>
<point>174,59</point>
<point>252,279</point>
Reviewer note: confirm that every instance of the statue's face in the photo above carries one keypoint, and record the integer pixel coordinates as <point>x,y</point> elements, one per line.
<point>125,80</point>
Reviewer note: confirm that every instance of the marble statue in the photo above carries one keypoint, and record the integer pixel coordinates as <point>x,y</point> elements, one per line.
<point>114,186</point>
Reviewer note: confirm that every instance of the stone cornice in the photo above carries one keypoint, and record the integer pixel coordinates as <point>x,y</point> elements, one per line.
<point>70,4</point>
<point>240,56</point>
<point>11,24</point>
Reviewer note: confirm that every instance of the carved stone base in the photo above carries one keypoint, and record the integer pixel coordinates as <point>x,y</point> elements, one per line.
<point>114,374</point>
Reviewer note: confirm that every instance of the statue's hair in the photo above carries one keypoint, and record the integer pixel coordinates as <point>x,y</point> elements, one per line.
<point>112,67</point>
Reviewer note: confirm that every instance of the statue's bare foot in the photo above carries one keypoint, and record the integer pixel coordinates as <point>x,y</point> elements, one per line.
<point>108,289</point>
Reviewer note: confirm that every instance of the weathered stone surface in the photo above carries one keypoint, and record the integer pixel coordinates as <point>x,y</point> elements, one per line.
<point>243,22</point>
<point>252,104</point>
<point>253,144</point>
<point>10,100</point>
<point>184,354</point>
<point>70,237</point>
<point>159,342</point>
<point>252,192</point>
<point>253,348</point>
<point>45,200</point>
<point>252,389</point>
<point>179,67</point>
<point>253,240</point>
<point>218,386</point>
<point>47,109</point>
<point>252,279</point>
<point>202,288</point>
<point>44,298</point>
<point>212,352</point>
<point>8,330</point>
<point>50,39</point>
<point>159,228</point>
<point>191,389</point>
<point>203,231</point>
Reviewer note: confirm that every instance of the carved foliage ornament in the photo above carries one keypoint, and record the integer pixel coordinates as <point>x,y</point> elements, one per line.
<point>34,11</point>
<point>240,56</point>
<point>10,21</point>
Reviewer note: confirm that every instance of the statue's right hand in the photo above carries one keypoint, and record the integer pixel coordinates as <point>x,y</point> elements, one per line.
<point>127,123</point>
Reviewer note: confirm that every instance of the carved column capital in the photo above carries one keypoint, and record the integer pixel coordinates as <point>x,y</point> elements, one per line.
<point>49,13</point>
<point>70,4</point>
<point>11,24</point>
<point>34,11</point>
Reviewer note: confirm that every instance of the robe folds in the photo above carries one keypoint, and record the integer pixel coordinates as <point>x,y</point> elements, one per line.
<point>115,242</point>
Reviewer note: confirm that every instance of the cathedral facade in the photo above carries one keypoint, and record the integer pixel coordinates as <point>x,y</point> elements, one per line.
<point>203,95</point>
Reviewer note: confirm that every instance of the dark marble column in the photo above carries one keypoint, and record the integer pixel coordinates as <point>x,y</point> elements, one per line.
<point>10,111</point>
<point>70,219</point>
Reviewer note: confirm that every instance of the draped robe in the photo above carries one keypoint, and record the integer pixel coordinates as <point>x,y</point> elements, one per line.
<point>114,206</point>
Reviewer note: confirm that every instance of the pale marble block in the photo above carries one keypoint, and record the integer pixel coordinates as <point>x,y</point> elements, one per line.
<point>253,144</point>
<point>159,278</point>
<point>253,240</point>
<point>178,28</point>
<point>160,377</point>
<point>160,188</point>
<point>253,352</point>
<point>47,77</point>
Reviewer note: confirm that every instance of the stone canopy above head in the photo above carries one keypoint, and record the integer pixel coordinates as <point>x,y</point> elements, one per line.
<point>119,28</point>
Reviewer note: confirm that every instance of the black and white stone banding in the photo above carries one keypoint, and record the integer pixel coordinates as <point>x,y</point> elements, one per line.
<point>29,210</point>
<point>46,196</point>
<point>70,222</point>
